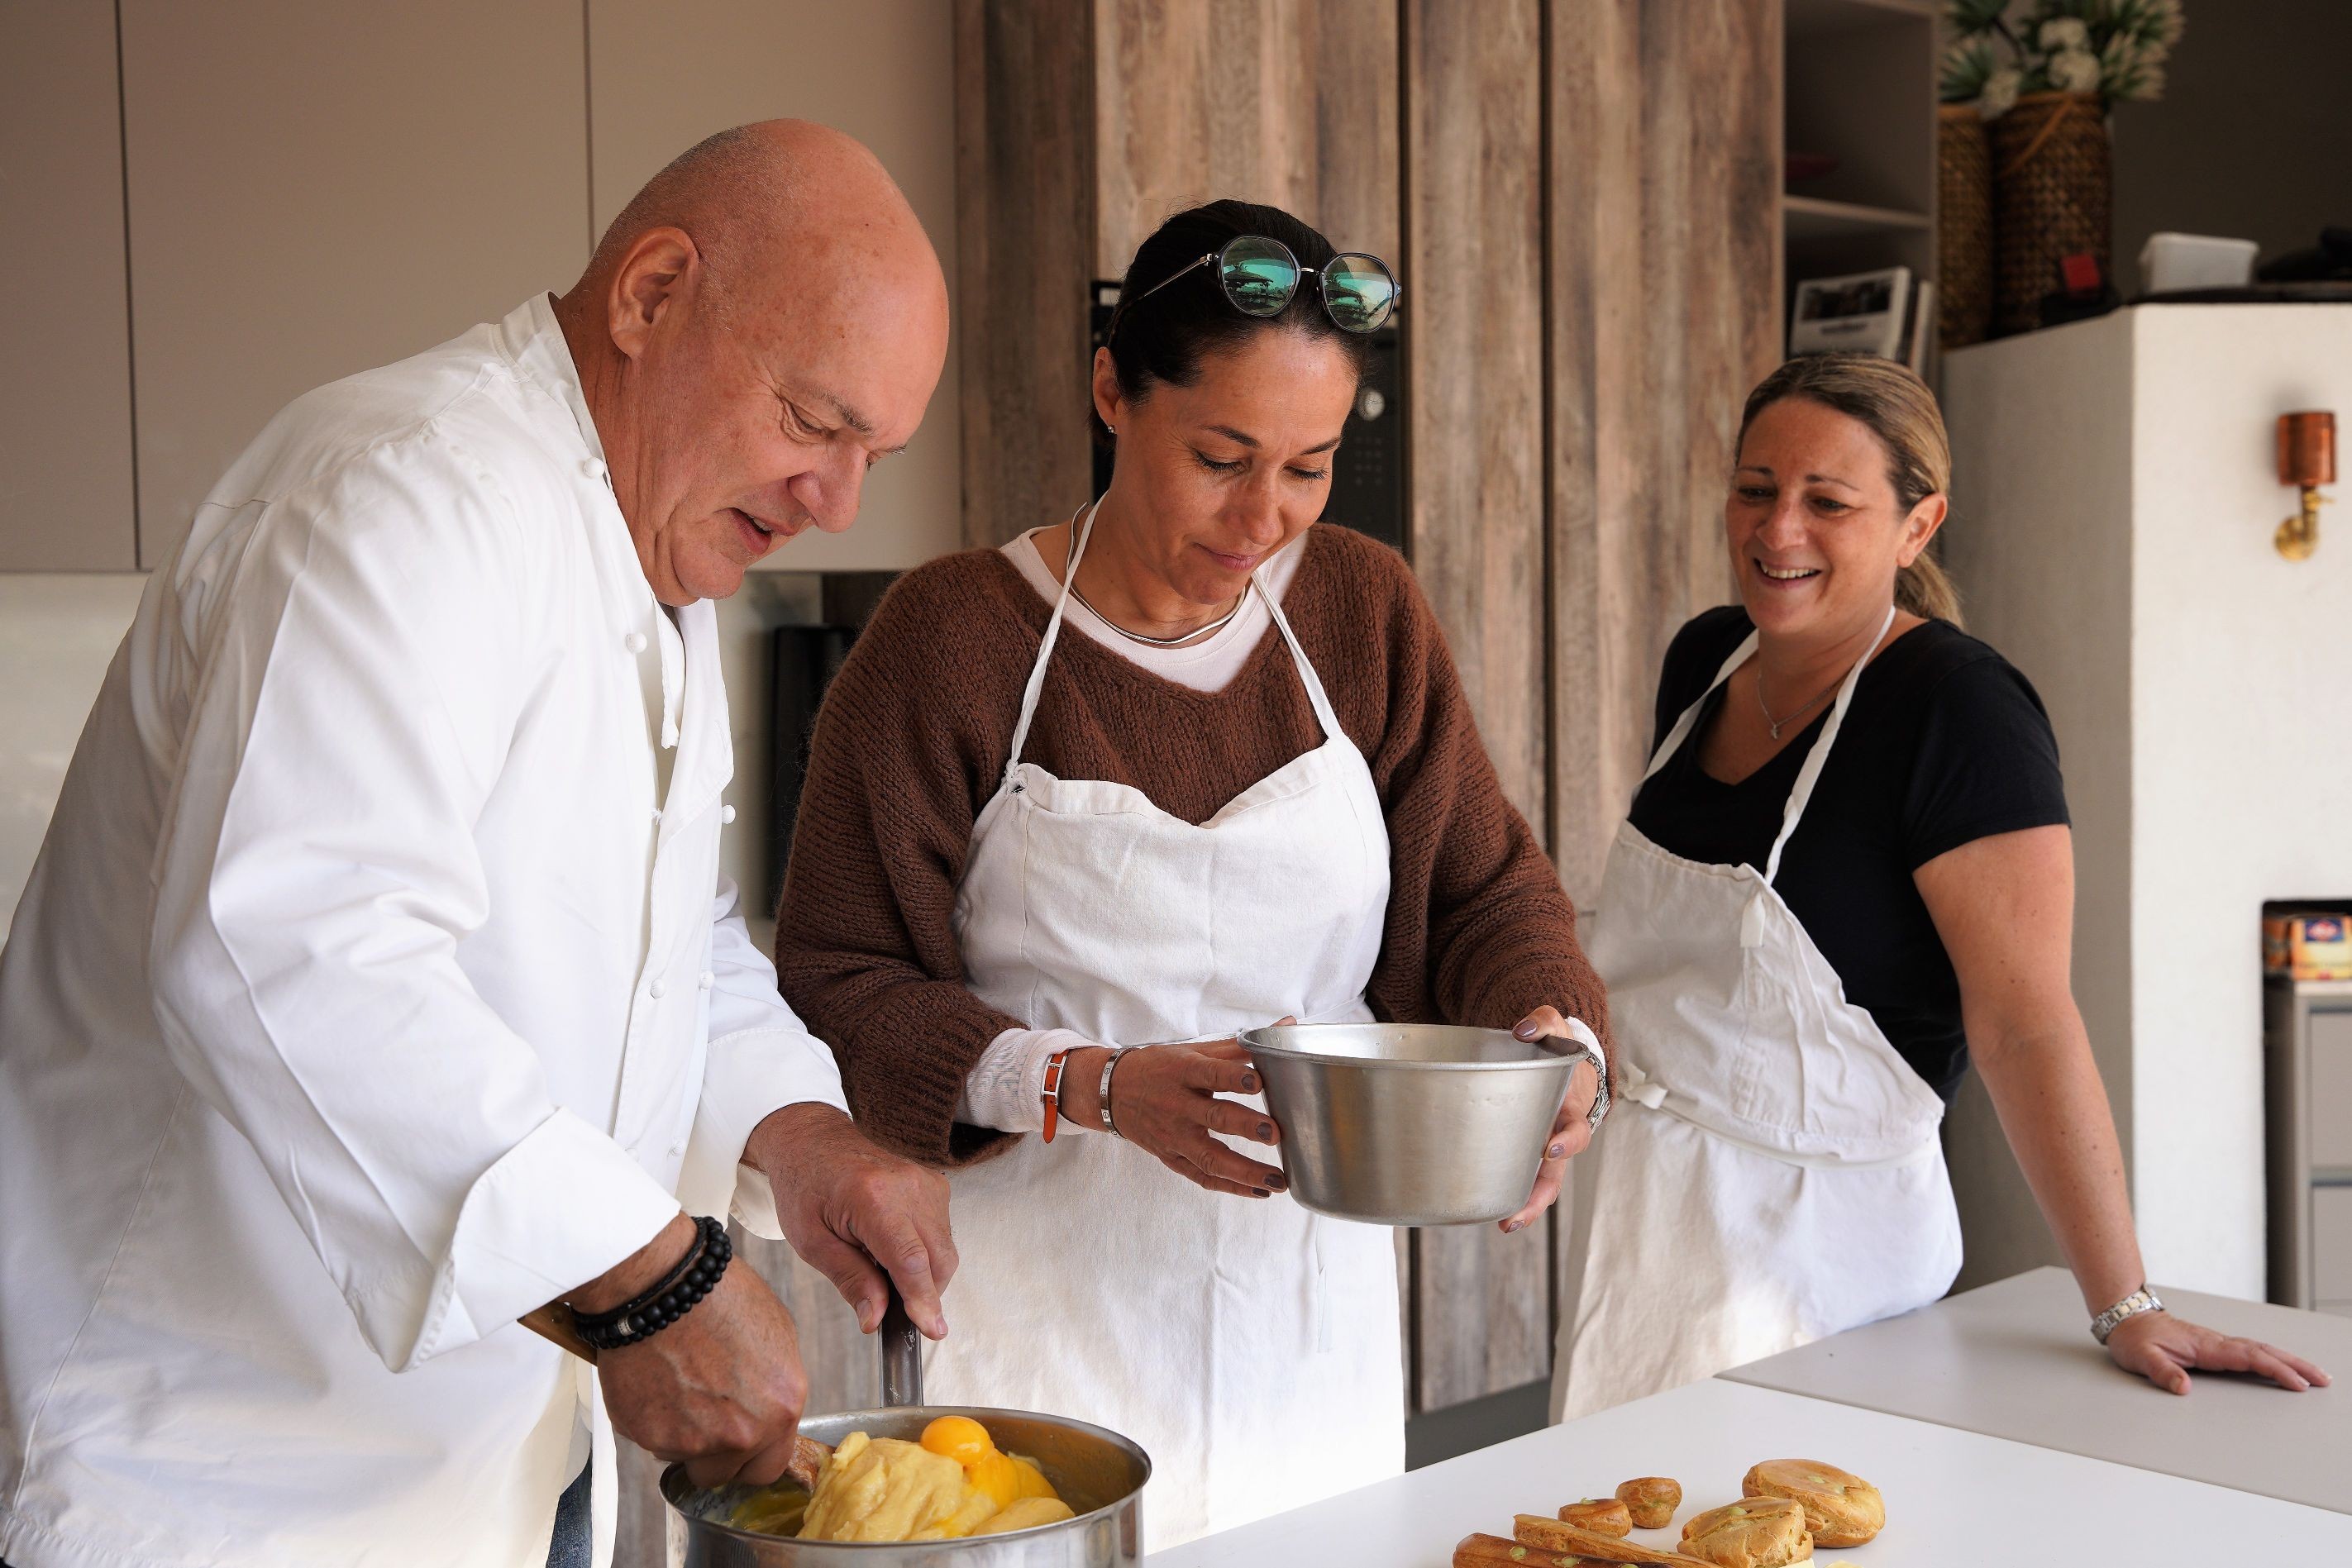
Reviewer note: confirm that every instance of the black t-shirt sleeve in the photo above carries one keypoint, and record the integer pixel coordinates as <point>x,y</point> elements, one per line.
<point>1987,763</point>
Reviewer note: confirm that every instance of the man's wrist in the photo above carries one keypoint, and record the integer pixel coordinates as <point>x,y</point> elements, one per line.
<point>789,1128</point>
<point>638,1272</point>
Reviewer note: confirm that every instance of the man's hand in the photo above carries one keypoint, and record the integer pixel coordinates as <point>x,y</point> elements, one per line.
<point>721,1388</point>
<point>847,1205</point>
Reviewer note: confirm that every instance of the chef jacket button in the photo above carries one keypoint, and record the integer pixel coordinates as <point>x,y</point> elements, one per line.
<point>593,468</point>
<point>726,813</point>
<point>634,641</point>
<point>657,813</point>
<point>656,990</point>
<point>676,1150</point>
<point>707,980</point>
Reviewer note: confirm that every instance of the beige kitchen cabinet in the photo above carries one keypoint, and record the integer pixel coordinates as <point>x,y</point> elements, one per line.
<point>66,501</point>
<point>666,73</point>
<point>315,189</point>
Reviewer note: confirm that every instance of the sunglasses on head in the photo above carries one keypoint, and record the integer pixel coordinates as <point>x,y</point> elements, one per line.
<point>1260,274</point>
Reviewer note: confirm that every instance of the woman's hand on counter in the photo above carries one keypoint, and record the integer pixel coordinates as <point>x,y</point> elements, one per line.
<point>1165,1099</point>
<point>1570,1136</point>
<point>2162,1348</point>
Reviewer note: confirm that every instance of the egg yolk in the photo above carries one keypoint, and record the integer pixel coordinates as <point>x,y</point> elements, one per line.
<point>1004,1479</point>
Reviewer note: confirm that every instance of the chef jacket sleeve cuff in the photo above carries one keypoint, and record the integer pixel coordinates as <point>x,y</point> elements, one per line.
<point>1006,1089</point>
<point>748,1076</point>
<point>561,1208</point>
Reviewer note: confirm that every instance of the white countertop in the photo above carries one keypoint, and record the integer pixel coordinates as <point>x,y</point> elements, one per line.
<point>1954,1499</point>
<point>2015,1360</point>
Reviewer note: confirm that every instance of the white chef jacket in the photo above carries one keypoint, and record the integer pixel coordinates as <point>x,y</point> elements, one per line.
<point>365,996</point>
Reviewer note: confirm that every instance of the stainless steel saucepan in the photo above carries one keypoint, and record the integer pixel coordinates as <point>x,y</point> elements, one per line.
<point>1098,1473</point>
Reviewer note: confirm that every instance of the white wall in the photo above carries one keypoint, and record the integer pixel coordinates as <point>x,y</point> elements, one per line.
<point>58,633</point>
<point>2115,494</point>
<point>2242,759</point>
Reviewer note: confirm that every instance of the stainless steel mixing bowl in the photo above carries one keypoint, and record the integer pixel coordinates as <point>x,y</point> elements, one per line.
<point>1410,1124</point>
<point>1098,1473</point>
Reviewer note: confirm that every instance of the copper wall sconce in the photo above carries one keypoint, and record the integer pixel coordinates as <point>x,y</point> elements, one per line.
<point>2306,460</point>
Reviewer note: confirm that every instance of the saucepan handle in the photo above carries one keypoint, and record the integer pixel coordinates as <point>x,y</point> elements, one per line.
<point>902,1352</point>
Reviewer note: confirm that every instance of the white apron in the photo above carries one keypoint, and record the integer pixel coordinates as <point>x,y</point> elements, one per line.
<point>1771,1175</point>
<point>1250,1346</point>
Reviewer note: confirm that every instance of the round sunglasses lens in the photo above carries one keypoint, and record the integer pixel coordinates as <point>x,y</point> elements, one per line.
<point>1359,292</point>
<point>1260,274</point>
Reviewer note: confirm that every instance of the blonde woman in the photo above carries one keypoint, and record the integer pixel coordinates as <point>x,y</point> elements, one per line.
<point>1847,875</point>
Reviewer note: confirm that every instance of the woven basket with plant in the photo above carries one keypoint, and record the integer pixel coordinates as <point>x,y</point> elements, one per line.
<point>2043,76</point>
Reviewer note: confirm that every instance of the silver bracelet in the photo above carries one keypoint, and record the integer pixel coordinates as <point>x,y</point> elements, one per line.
<point>2140,1301</point>
<point>1110,1066</point>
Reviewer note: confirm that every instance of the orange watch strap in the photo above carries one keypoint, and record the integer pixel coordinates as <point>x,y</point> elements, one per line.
<point>1053,1065</point>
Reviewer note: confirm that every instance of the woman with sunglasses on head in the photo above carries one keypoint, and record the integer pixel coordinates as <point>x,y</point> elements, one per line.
<point>1181,764</point>
<point>1847,874</point>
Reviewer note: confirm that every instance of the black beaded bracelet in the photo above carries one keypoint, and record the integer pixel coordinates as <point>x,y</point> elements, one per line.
<point>696,1276</point>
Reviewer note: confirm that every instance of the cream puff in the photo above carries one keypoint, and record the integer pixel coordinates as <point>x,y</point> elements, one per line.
<point>1602,1516</point>
<point>1840,1510</point>
<point>1754,1532</point>
<point>1533,1529</point>
<point>1652,1500</point>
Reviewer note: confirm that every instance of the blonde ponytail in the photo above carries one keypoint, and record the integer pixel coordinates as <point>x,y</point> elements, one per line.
<point>1924,589</point>
<point>1901,411</point>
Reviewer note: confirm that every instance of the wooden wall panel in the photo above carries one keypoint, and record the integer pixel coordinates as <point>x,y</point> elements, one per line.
<point>1473,278</point>
<point>1024,237</point>
<point>1664,286</point>
<point>1292,102</point>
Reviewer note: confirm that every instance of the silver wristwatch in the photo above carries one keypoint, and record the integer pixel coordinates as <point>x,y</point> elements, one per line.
<point>2140,1301</point>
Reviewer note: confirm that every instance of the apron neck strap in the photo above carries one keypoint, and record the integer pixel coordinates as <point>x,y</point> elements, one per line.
<point>1084,529</point>
<point>1817,757</point>
<point>1815,760</point>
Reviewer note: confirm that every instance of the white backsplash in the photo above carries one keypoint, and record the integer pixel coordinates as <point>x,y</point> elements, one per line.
<point>58,633</point>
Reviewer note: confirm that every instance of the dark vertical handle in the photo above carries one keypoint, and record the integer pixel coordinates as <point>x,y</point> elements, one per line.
<point>902,1352</point>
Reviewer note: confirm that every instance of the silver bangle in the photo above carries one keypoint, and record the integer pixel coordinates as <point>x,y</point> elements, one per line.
<point>1110,1066</point>
<point>2140,1301</point>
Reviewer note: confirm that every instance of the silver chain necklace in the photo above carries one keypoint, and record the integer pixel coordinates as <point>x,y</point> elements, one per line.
<point>1219,624</point>
<point>1778,725</point>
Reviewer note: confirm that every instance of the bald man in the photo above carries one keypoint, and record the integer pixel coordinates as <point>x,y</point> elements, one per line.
<point>377,988</point>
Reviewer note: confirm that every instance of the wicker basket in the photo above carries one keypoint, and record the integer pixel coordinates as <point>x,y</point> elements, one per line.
<point>1963,226</point>
<point>2053,196</point>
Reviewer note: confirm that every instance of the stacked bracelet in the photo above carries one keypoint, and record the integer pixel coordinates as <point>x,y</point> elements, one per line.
<point>695,1277</point>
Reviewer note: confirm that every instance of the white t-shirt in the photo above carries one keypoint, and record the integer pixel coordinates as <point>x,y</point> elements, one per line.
<point>1006,1088</point>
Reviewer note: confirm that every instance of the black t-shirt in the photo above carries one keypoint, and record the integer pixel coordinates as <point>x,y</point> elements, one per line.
<point>1946,743</point>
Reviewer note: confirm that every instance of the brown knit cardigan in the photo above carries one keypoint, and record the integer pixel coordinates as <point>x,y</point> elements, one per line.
<point>911,745</point>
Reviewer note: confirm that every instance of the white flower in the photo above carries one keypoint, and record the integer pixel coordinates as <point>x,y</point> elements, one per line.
<point>2065,32</point>
<point>2074,71</point>
<point>2168,21</point>
<point>2000,93</point>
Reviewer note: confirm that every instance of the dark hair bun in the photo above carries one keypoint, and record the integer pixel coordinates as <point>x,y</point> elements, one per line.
<point>1164,339</point>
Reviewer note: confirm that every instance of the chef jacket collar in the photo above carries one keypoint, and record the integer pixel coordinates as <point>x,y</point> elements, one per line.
<point>534,340</point>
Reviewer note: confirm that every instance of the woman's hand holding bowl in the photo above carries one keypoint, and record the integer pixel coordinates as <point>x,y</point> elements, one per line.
<point>1168,1099</point>
<point>1570,1136</point>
